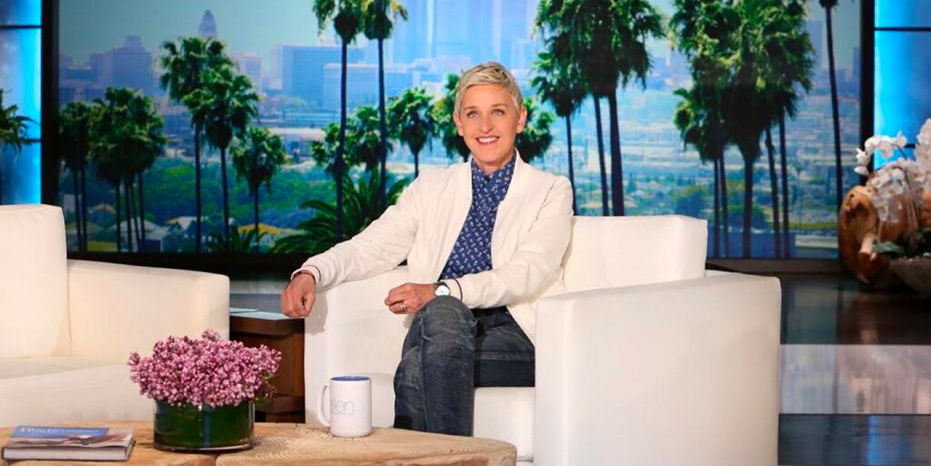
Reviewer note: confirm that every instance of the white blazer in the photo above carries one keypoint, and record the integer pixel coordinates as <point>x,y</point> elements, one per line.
<point>530,238</point>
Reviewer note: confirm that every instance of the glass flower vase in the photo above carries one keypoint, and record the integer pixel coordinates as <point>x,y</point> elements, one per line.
<point>203,428</point>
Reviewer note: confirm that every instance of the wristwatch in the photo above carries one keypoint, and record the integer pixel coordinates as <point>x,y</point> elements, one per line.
<point>440,289</point>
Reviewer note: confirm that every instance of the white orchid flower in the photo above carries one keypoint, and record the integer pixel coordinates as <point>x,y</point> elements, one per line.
<point>861,170</point>
<point>923,155</point>
<point>900,140</point>
<point>924,136</point>
<point>863,158</point>
<point>889,145</point>
<point>871,144</point>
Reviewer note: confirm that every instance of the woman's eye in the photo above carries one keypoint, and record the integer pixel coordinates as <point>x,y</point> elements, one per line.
<point>471,114</point>
<point>499,112</point>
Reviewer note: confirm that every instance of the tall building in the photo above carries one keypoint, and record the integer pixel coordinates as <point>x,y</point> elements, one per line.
<point>129,65</point>
<point>410,38</point>
<point>362,85</point>
<point>397,78</point>
<point>515,29</point>
<point>208,26</point>
<point>302,68</point>
<point>250,64</point>
<point>482,30</point>
<point>816,32</point>
<point>451,19</point>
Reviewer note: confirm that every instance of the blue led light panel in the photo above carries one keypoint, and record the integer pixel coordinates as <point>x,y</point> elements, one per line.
<point>20,73</point>
<point>22,174</point>
<point>903,96</point>
<point>20,12</point>
<point>903,13</point>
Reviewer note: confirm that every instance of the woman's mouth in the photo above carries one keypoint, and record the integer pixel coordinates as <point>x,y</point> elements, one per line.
<point>487,140</point>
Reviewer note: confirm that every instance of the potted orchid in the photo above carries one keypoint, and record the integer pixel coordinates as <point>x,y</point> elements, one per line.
<point>204,390</point>
<point>900,193</point>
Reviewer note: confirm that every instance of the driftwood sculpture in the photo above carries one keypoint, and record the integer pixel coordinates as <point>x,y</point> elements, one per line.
<point>859,227</point>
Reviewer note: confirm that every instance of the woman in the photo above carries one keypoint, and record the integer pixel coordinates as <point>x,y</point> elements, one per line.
<point>482,239</point>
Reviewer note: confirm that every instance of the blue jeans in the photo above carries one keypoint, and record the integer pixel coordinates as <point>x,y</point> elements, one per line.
<point>449,350</point>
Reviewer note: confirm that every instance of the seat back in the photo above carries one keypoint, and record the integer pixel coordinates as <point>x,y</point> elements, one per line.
<point>607,252</point>
<point>33,282</point>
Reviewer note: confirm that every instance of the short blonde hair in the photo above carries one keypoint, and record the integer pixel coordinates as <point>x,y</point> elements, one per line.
<point>488,73</point>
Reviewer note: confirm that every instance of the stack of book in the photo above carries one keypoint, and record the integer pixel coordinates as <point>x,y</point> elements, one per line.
<point>68,443</point>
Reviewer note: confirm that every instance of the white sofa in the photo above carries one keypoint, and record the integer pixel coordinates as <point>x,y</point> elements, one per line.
<point>648,359</point>
<point>67,327</point>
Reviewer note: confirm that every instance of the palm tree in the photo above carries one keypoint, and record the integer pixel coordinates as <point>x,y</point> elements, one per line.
<point>185,63</point>
<point>256,159</point>
<point>74,125</point>
<point>789,63</point>
<point>550,20</point>
<point>126,138</point>
<point>345,16</point>
<point>608,40</point>
<point>748,109</point>
<point>361,142</point>
<point>362,208</point>
<point>239,242</point>
<point>442,113</point>
<point>12,132</point>
<point>702,31</point>
<point>700,126</point>
<point>829,5</point>
<point>377,24</point>
<point>536,138</point>
<point>223,106</point>
<point>411,121</point>
<point>364,140</point>
<point>561,84</point>
<point>599,134</point>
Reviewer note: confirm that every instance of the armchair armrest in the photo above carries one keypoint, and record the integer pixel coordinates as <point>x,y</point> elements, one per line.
<point>116,309</point>
<point>350,331</point>
<point>680,372</point>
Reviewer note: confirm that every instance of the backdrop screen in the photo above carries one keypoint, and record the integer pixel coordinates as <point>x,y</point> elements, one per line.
<point>160,100</point>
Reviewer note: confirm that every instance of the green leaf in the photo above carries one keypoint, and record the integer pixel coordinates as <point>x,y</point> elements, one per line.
<point>888,248</point>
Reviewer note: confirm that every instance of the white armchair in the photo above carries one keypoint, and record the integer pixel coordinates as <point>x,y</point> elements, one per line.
<point>647,359</point>
<point>67,327</point>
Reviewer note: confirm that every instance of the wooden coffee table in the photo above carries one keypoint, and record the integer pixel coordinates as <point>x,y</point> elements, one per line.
<point>301,444</point>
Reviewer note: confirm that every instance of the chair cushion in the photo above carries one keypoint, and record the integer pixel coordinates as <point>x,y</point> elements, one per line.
<point>506,413</point>
<point>33,282</point>
<point>47,390</point>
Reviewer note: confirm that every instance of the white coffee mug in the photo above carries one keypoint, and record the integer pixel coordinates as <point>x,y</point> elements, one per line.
<point>350,406</point>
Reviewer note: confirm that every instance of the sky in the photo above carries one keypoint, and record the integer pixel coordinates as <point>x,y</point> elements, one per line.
<point>246,25</point>
<point>256,25</point>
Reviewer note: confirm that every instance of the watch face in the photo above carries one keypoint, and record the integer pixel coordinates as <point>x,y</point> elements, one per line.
<point>441,290</point>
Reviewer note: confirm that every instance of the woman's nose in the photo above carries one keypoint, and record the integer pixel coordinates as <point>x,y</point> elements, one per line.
<point>485,123</point>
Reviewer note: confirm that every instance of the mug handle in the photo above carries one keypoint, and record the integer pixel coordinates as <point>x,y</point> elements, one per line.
<point>321,415</point>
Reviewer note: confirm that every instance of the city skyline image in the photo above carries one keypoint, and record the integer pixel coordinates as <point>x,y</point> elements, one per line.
<point>293,70</point>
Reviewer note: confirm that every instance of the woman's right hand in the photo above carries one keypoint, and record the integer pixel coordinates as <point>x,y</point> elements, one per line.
<point>298,297</point>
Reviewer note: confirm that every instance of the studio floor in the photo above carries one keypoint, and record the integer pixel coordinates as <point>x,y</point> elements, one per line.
<point>856,370</point>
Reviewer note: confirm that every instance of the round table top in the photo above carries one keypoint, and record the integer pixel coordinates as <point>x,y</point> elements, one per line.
<point>281,443</point>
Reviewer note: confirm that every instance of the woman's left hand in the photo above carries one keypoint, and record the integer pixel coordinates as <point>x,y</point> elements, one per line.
<point>409,297</point>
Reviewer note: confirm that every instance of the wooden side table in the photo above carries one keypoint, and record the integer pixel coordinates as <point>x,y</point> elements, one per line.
<point>274,330</point>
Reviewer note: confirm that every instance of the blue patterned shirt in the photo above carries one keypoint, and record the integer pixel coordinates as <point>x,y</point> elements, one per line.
<point>472,251</point>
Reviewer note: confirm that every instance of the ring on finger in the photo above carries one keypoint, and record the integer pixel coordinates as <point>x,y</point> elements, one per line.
<point>403,307</point>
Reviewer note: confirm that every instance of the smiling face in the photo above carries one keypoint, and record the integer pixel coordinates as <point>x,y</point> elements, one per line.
<point>489,121</point>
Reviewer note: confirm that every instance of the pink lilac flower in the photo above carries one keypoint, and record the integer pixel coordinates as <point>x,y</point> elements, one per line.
<point>208,371</point>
